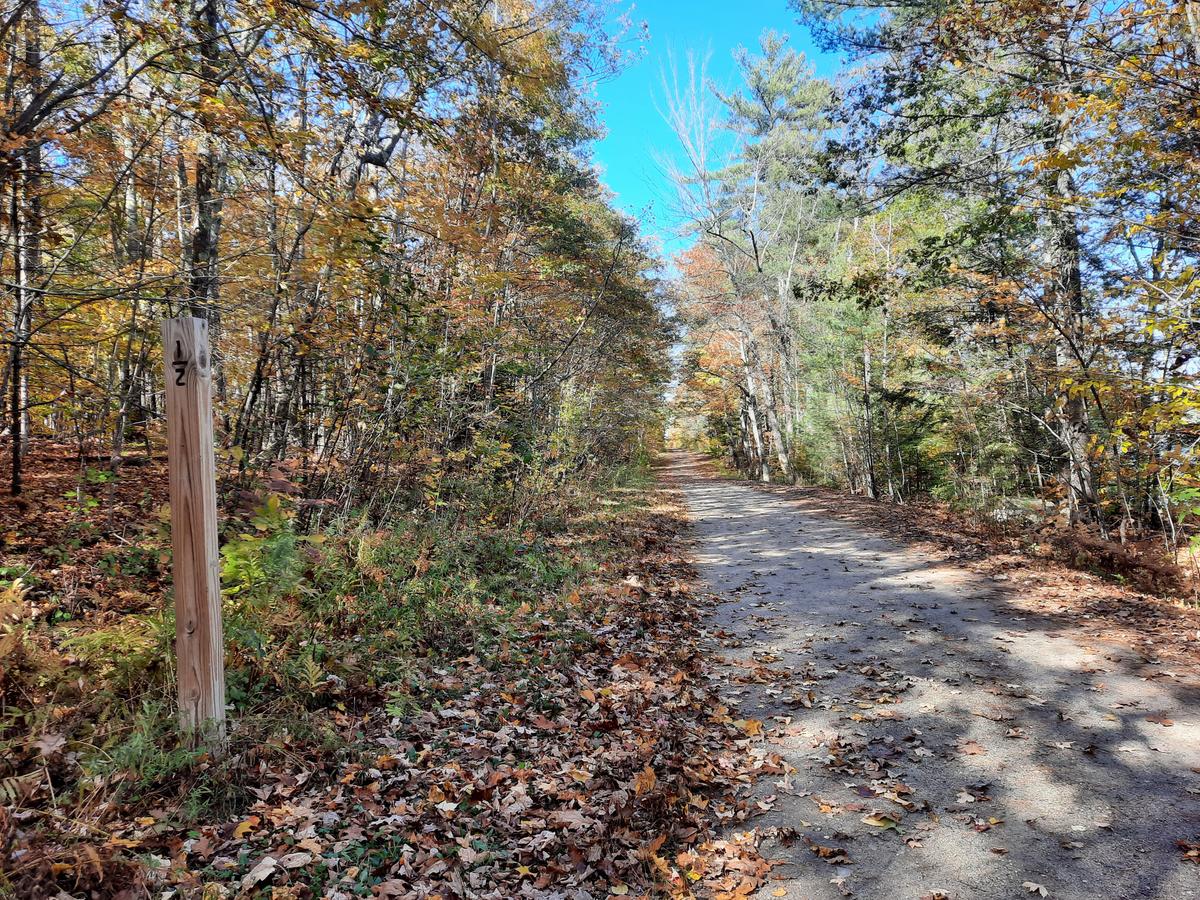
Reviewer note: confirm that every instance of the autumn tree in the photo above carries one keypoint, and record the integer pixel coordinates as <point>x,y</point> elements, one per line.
<point>987,297</point>
<point>385,213</point>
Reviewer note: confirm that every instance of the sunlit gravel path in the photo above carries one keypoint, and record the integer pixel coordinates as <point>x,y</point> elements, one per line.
<point>1012,756</point>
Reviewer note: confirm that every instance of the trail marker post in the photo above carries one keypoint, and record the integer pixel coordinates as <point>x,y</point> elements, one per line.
<point>199,639</point>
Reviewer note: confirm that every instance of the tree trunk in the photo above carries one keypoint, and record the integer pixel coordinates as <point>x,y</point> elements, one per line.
<point>1064,302</point>
<point>17,412</point>
<point>751,401</point>
<point>132,251</point>
<point>868,428</point>
<point>26,215</point>
<point>781,450</point>
<point>1192,14</point>
<point>202,264</point>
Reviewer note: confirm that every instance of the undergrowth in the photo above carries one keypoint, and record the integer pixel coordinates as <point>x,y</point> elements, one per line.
<point>319,628</point>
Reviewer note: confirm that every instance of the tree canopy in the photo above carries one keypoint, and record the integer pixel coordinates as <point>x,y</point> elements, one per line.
<point>383,209</point>
<point>966,268</point>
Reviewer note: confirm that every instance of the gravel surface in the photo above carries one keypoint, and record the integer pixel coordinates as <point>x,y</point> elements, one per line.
<point>944,742</point>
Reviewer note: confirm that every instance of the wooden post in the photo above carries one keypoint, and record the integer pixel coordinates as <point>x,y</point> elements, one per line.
<point>199,640</point>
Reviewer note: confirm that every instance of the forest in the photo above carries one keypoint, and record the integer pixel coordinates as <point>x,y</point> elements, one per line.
<point>476,427</point>
<point>966,270</point>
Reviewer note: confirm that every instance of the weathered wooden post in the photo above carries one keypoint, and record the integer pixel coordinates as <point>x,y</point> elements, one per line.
<point>199,640</point>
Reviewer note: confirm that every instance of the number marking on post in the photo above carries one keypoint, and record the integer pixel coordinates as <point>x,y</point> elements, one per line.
<point>179,365</point>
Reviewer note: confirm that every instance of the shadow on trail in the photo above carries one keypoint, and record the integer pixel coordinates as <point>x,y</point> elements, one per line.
<point>1029,752</point>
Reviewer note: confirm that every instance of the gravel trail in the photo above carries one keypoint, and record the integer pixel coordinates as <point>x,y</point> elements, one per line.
<point>943,742</point>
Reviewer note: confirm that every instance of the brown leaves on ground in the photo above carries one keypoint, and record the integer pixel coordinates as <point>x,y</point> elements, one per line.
<point>1191,850</point>
<point>831,855</point>
<point>587,756</point>
<point>76,505</point>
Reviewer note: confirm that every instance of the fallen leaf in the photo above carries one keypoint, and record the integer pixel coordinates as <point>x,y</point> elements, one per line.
<point>392,888</point>
<point>49,744</point>
<point>570,818</point>
<point>244,827</point>
<point>645,781</point>
<point>831,855</point>
<point>880,820</point>
<point>260,873</point>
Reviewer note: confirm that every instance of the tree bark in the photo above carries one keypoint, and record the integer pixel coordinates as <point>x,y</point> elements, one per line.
<point>781,449</point>
<point>202,264</point>
<point>26,215</point>
<point>751,401</point>
<point>868,427</point>
<point>1064,301</point>
<point>1191,10</point>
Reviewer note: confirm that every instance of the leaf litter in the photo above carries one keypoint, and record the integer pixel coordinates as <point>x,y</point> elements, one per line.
<point>599,763</point>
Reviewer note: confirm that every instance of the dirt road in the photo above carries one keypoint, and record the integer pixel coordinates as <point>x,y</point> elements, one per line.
<point>944,742</point>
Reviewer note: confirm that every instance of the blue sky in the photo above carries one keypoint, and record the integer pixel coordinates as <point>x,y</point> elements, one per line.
<point>637,133</point>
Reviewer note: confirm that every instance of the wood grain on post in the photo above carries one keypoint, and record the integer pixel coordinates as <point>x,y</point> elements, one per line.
<point>199,640</point>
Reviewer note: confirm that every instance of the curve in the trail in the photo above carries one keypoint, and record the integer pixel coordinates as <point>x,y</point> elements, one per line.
<point>1010,752</point>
